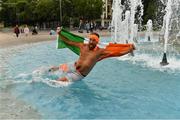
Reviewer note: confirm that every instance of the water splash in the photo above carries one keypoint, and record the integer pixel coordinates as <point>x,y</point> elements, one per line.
<point>40,75</point>
<point>150,61</point>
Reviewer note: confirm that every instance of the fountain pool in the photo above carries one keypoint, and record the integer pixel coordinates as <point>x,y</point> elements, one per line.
<point>126,87</point>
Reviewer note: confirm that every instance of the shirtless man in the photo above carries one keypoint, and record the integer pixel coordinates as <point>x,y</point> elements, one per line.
<point>90,54</point>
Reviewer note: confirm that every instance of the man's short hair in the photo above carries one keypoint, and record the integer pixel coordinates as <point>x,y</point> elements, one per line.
<point>95,34</point>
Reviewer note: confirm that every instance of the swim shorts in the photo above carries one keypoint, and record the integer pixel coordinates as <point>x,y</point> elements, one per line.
<point>69,71</point>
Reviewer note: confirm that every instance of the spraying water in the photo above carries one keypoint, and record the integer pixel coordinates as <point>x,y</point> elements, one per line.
<point>175,23</point>
<point>116,20</point>
<point>149,30</point>
<point>171,13</point>
<point>133,10</point>
<point>167,22</point>
<point>127,24</point>
<point>123,20</point>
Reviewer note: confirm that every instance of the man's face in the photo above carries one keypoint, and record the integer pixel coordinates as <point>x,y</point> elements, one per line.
<point>92,44</point>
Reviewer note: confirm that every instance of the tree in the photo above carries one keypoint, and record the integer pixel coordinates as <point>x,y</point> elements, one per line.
<point>46,10</point>
<point>88,9</point>
<point>30,11</point>
<point>150,8</point>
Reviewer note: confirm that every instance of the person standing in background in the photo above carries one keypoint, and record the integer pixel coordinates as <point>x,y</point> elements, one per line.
<point>81,26</point>
<point>26,30</point>
<point>16,31</point>
<point>87,26</point>
<point>91,26</point>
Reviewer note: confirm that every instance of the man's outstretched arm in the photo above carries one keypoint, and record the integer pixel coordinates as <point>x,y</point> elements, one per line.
<point>77,44</point>
<point>117,51</point>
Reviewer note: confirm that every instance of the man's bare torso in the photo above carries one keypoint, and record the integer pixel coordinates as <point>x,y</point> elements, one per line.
<point>87,59</point>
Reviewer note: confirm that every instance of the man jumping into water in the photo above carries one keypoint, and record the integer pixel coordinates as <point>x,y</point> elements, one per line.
<point>90,54</point>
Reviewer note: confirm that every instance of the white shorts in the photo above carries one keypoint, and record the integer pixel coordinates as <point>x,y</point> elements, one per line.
<point>69,71</point>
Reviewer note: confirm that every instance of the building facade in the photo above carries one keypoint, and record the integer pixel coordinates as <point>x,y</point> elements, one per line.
<point>107,13</point>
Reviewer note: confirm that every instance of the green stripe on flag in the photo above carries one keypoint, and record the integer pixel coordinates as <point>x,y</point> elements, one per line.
<point>61,44</point>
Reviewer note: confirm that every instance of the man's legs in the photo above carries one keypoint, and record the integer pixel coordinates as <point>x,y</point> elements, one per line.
<point>69,72</point>
<point>64,68</point>
<point>52,69</point>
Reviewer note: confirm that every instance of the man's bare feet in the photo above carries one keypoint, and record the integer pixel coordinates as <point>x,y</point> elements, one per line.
<point>63,79</point>
<point>54,68</point>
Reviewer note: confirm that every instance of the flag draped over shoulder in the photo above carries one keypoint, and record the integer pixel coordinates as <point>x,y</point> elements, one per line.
<point>72,37</point>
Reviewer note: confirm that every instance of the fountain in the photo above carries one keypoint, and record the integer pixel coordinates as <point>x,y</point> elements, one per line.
<point>126,23</point>
<point>175,22</point>
<point>133,5</point>
<point>171,25</point>
<point>149,30</point>
<point>166,34</point>
<point>123,20</point>
<point>117,21</point>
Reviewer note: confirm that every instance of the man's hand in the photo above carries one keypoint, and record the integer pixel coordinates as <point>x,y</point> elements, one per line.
<point>132,49</point>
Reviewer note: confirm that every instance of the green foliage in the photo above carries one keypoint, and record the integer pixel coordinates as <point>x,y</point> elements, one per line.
<point>88,9</point>
<point>46,10</point>
<point>33,11</point>
<point>24,11</point>
<point>150,8</point>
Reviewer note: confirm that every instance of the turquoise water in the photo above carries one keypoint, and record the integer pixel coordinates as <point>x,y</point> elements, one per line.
<point>125,87</point>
